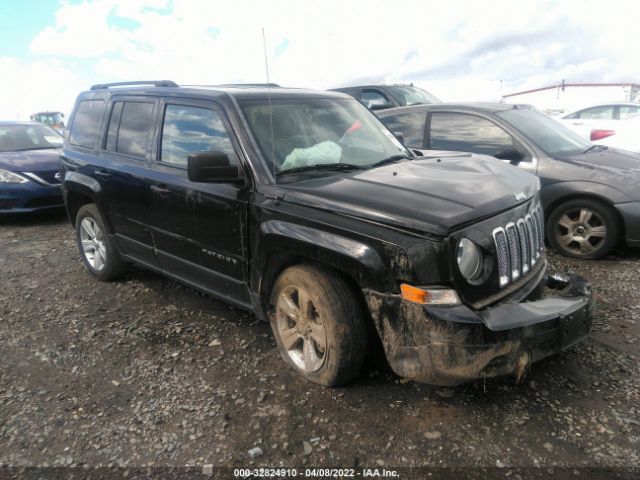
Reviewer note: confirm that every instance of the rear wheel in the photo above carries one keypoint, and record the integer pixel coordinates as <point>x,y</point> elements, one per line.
<point>318,325</point>
<point>583,228</point>
<point>96,248</point>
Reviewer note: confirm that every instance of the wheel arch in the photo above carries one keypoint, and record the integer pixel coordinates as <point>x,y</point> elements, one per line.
<point>554,197</point>
<point>283,245</point>
<point>77,194</point>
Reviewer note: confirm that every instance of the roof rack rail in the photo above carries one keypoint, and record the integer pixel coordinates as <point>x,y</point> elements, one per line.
<point>155,83</point>
<point>248,85</point>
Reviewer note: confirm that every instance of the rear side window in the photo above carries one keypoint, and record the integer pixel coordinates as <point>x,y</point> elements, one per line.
<point>85,129</point>
<point>410,125</point>
<point>129,128</point>
<point>189,130</point>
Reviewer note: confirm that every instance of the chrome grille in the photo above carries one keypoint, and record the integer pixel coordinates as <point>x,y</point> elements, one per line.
<point>519,245</point>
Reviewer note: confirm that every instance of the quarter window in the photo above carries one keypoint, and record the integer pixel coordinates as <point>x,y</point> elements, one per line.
<point>86,123</point>
<point>467,133</point>
<point>189,130</point>
<point>410,125</point>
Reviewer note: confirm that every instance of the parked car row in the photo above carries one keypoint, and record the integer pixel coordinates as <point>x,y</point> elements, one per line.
<point>303,208</point>
<point>426,230</point>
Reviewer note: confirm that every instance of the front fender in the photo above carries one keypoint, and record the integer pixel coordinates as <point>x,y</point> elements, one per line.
<point>552,193</point>
<point>345,254</point>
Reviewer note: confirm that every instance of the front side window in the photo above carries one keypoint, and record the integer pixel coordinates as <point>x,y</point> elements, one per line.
<point>129,128</point>
<point>373,98</point>
<point>85,129</point>
<point>189,130</point>
<point>14,138</point>
<point>311,131</point>
<point>410,125</point>
<point>468,133</point>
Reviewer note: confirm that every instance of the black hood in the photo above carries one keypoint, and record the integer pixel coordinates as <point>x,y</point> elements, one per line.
<point>434,195</point>
<point>619,169</point>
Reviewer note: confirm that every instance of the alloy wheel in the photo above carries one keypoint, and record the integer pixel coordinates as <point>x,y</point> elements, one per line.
<point>92,241</point>
<point>581,231</point>
<point>300,328</point>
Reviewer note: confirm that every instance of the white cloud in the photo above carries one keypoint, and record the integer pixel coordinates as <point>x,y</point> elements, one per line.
<point>33,87</point>
<point>457,50</point>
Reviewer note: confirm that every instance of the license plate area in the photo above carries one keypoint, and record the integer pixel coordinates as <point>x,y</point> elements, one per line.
<point>573,327</point>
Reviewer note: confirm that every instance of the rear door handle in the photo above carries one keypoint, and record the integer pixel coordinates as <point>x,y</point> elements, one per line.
<point>161,190</point>
<point>103,173</point>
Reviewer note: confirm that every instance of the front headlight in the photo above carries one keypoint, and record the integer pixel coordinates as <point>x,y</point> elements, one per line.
<point>469,259</point>
<point>10,177</point>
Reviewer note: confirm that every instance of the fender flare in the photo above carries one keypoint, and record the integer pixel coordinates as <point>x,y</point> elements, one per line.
<point>357,259</point>
<point>83,184</point>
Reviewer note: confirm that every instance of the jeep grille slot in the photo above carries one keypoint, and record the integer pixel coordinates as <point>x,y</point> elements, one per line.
<point>514,250</point>
<point>502,252</point>
<point>518,246</point>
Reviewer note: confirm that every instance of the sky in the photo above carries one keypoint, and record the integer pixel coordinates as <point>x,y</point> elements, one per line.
<point>50,50</point>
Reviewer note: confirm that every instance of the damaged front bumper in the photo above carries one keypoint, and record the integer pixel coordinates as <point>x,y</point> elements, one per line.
<point>450,345</point>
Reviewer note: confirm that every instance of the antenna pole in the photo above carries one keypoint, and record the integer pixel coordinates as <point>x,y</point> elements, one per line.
<point>266,67</point>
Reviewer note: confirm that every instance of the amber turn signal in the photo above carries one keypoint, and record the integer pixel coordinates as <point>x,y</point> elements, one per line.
<point>429,296</point>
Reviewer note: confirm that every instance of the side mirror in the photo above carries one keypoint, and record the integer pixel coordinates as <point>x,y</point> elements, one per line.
<point>418,152</point>
<point>212,167</point>
<point>399,136</point>
<point>514,156</point>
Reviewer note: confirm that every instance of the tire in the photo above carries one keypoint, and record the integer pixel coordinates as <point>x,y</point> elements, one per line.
<point>98,252</point>
<point>583,228</point>
<point>319,325</point>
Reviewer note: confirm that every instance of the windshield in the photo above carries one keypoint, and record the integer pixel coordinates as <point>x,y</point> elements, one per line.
<point>408,95</point>
<point>28,137</point>
<point>301,132</point>
<point>554,138</point>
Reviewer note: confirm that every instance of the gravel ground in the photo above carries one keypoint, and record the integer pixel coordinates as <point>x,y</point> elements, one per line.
<point>147,372</point>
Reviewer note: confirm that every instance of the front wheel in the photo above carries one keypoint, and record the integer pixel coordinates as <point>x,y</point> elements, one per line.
<point>583,228</point>
<point>98,252</point>
<point>318,324</point>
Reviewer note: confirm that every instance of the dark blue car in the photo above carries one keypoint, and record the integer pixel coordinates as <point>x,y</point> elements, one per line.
<point>29,176</point>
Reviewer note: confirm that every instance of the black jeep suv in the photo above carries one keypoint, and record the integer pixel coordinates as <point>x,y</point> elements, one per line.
<point>303,208</point>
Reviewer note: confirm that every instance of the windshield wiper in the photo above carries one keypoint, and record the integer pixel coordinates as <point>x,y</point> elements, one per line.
<point>321,166</point>
<point>595,147</point>
<point>388,160</point>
